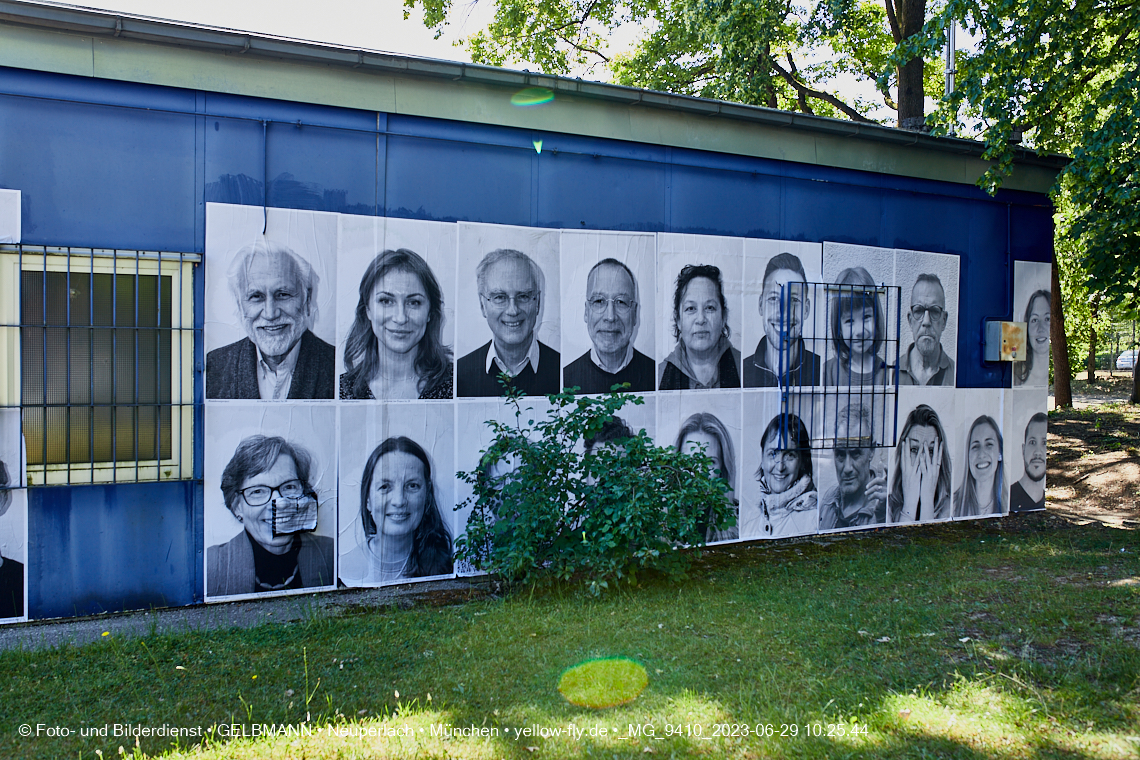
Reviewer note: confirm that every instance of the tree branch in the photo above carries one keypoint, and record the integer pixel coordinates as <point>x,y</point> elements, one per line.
<point>894,21</point>
<point>824,96</point>
<point>801,95</point>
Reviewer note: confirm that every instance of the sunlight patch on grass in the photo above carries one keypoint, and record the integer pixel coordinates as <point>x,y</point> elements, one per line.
<point>604,682</point>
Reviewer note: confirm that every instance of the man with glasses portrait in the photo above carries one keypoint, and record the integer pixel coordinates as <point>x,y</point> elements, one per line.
<point>925,362</point>
<point>612,316</point>
<point>510,299</point>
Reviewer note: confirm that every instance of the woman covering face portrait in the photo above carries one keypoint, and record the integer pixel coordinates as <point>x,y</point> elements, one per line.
<point>789,501</point>
<point>404,532</point>
<point>858,327</point>
<point>981,489</point>
<point>395,347</point>
<point>704,356</point>
<point>921,489</point>
<point>1034,371</point>
<point>266,487</point>
<point>705,432</point>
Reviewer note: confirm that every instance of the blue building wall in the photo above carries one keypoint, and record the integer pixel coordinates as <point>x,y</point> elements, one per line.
<point>116,165</point>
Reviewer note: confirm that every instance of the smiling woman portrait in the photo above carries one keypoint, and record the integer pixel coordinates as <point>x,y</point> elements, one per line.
<point>394,349</point>
<point>704,356</point>
<point>1034,371</point>
<point>981,489</point>
<point>404,535</point>
<point>266,486</point>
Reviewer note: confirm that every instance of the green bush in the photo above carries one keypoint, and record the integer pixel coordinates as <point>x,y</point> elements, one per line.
<point>562,513</point>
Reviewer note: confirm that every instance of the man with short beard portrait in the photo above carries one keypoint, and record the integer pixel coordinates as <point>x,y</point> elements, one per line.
<point>1028,494</point>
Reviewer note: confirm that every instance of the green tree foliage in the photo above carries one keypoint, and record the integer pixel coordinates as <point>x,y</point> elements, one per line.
<point>1060,77</point>
<point>745,51</point>
<point>559,512</point>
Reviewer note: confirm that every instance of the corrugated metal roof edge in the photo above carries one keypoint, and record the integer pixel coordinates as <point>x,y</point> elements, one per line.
<point>94,22</point>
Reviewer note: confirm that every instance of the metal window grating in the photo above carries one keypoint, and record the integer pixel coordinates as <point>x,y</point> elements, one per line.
<point>103,372</point>
<point>847,407</point>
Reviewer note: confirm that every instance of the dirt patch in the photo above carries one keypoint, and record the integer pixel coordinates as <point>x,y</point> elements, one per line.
<point>1094,464</point>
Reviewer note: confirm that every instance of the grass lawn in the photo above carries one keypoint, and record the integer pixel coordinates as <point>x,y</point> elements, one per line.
<point>996,638</point>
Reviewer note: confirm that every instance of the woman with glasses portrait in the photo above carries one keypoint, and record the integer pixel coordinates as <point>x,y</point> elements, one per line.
<point>266,487</point>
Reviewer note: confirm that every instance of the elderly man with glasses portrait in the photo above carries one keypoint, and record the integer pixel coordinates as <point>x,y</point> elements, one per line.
<point>925,362</point>
<point>612,315</point>
<point>510,299</point>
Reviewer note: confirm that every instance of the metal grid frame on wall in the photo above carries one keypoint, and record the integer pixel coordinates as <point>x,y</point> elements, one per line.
<point>98,348</point>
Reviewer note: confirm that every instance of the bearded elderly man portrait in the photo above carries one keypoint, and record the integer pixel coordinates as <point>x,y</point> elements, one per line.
<point>280,358</point>
<point>612,315</point>
<point>925,362</point>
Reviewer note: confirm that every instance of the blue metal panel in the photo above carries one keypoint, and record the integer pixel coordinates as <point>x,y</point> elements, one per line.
<point>840,213</point>
<point>725,202</point>
<point>984,293</point>
<point>234,161</point>
<point>106,548</point>
<point>924,222</point>
<point>588,192</point>
<point>1032,233</point>
<point>99,176</point>
<point>75,89</point>
<point>451,181</point>
<point>257,109</point>
<point>322,169</point>
<point>312,168</point>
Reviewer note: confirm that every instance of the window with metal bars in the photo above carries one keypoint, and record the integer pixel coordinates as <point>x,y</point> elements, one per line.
<point>105,360</point>
<point>852,399</point>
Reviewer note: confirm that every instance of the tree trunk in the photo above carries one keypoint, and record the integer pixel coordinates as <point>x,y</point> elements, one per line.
<point>1062,389</point>
<point>1090,364</point>
<point>912,106</point>
<point>1135,397</point>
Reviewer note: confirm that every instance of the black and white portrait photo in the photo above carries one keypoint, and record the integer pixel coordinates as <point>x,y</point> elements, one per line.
<point>1028,427</point>
<point>779,306</point>
<point>508,309</point>
<point>922,477</point>
<point>929,293</point>
<point>982,486</point>
<point>270,303</point>
<point>609,279</point>
<point>862,341</point>
<point>13,519</point>
<point>780,497</point>
<point>700,285</point>
<point>708,422</point>
<point>270,507</point>
<point>474,437</point>
<point>397,492</point>
<point>1032,304</point>
<point>853,473</point>
<point>396,337</point>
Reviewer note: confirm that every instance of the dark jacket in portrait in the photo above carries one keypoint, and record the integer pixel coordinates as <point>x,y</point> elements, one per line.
<point>590,378</point>
<point>230,566</point>
<point>474,379</point>
<point>11,589</point>
<point>231,371</point>
<point>1019,500</point>
<point>757,373</point>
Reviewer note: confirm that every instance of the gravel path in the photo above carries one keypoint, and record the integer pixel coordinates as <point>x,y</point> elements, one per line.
<point>247,614</point>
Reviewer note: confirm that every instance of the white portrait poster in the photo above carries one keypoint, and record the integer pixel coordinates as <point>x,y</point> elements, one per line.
<point>397,492</point>
<point>265,466</point>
